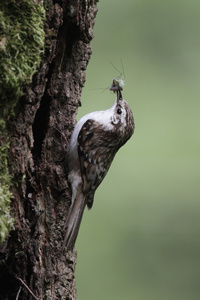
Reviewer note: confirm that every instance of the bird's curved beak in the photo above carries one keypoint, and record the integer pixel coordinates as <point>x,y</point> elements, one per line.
<point>119,95</point>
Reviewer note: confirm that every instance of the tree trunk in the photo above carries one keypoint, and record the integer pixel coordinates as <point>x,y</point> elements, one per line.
<point>31,257</point>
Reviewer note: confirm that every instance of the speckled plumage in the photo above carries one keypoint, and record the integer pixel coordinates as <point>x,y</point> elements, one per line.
<point>94,142</point>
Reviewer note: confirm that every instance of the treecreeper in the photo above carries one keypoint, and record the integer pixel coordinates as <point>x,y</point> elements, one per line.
<point>94,142</point>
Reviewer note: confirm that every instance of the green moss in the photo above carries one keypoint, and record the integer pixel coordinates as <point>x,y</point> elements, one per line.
<point>21,44</point>
<point>6,222</point>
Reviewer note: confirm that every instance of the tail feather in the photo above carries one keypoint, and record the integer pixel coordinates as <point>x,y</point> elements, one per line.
<point>74,220</point>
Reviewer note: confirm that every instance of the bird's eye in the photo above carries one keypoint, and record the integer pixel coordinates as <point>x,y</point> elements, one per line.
<point>119,111</point>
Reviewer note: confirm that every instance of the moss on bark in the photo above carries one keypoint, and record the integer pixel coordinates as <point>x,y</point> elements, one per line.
<point>6,222</point>
<point>21,45</point>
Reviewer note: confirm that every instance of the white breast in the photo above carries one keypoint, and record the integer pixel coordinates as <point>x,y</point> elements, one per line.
<point>103,117</point>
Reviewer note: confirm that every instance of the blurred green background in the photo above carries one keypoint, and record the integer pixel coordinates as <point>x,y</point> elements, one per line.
<point>141,240</point>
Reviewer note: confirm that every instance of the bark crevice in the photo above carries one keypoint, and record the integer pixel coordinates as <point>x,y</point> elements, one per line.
<point>40,126</point>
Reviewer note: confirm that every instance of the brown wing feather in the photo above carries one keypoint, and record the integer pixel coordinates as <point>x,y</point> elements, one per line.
<point>95,157</point>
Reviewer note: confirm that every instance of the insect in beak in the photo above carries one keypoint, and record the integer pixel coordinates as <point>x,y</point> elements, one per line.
<point>116,88</point>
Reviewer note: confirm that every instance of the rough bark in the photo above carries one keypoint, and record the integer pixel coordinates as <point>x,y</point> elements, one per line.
<point>36,159</point>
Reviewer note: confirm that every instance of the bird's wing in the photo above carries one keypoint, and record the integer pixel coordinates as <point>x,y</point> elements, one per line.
<point>96,152</point>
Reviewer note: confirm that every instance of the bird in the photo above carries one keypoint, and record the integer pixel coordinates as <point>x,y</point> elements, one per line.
<point>94,142</point>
